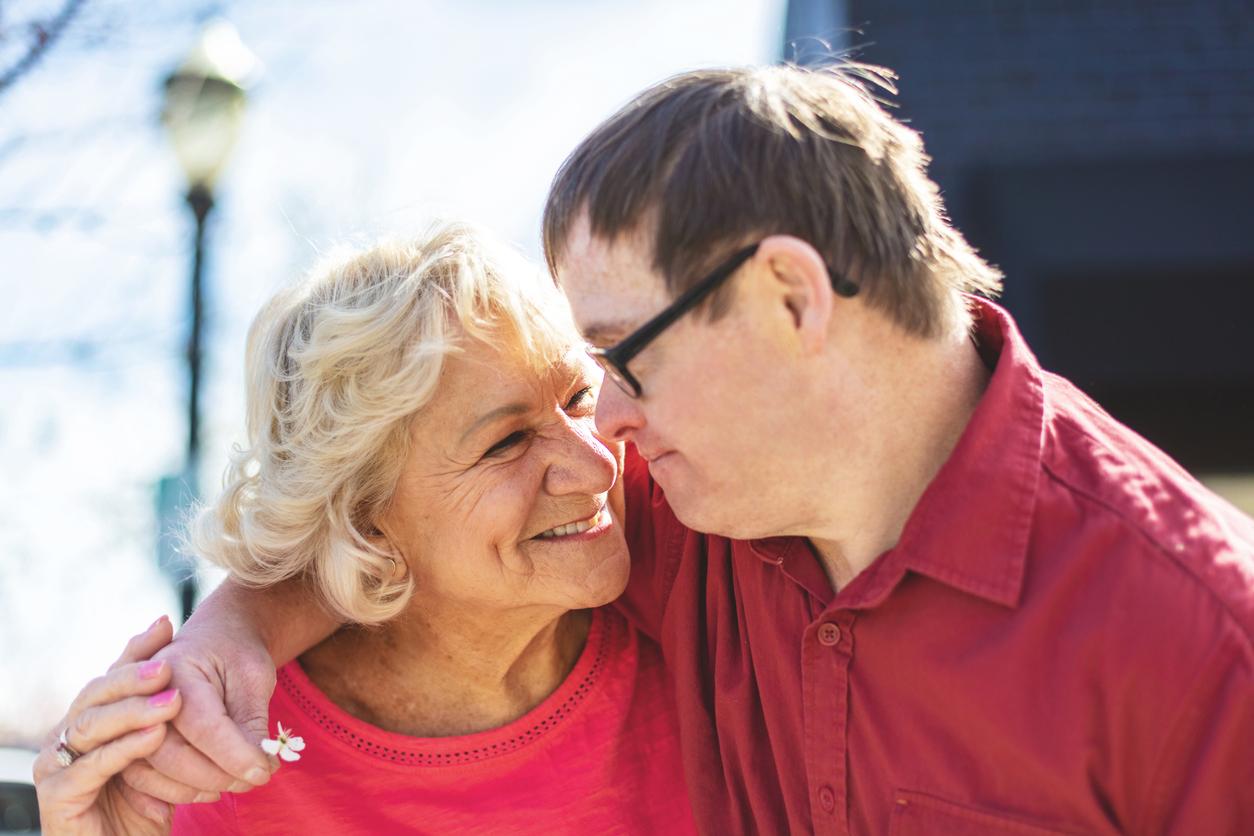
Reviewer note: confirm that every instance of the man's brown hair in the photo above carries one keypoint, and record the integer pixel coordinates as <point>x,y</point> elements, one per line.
<point>710,160</point>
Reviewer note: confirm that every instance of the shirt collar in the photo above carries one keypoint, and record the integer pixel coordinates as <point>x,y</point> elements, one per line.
<point>970,528</point>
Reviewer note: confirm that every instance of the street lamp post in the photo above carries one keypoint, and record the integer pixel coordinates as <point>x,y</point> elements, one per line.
<point>200,201</point>
<point>203,108</point>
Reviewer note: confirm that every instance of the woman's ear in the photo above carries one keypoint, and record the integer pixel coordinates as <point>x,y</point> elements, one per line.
<point>798,278</point>
<point>392,555</point>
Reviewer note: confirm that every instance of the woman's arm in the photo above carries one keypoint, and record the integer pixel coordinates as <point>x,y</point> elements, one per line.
<point>223,662</point>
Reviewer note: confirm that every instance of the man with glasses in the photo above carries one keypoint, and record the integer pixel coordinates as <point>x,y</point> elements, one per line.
<point>940,590</point>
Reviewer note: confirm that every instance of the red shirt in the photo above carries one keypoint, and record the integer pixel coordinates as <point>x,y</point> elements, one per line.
<point>1060,642</point>
<point>599,755</point>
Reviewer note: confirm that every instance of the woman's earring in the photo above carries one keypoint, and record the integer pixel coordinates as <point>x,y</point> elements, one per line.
<point>399,568</point>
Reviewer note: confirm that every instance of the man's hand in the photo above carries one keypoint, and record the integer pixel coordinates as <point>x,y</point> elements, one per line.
<point>223,662</point>
<point>222,667</point>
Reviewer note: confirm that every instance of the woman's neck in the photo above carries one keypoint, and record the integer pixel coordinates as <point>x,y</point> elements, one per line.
<point>447,671</point>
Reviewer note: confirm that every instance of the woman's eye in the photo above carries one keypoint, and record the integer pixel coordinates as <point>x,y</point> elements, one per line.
<point>585,397</point>
<point>506,443</point>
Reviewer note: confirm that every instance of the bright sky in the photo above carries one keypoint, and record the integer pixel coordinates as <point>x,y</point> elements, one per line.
<point>370,118</point>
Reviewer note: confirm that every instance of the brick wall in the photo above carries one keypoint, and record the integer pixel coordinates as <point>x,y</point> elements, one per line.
<point>1102,153</point>
<point>1012,80</point>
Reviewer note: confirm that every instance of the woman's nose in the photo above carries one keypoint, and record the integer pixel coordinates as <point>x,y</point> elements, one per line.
<point>582,463</point>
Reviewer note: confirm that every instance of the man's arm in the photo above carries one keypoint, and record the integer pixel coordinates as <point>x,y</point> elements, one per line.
<point>1202,780</point>
<point>224,660</point>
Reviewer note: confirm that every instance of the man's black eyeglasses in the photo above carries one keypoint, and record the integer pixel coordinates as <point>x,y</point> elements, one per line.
<point>614,359</point>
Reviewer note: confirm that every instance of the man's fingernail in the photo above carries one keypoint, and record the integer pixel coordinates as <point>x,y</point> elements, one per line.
<point>204,797</point>
<point>164,698</point>
<point>150,670</point>
<point>153,625</point>
<point>257,776</point>
<point>240,786</point>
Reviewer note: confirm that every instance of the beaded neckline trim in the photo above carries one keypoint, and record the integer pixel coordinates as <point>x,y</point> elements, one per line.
<point>416,751</point>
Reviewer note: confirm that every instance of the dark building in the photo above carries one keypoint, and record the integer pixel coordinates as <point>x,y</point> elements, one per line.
<point>1101,152</point>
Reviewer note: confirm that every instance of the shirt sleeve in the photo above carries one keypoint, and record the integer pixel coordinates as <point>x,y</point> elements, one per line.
<point>1204,774</point>
<point>655,539</point>
<point>206,819</point>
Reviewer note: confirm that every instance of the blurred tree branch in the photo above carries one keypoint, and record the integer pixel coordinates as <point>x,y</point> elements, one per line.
<point>41,35</point>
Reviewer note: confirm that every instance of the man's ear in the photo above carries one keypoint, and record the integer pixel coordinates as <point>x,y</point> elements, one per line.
<point>803,286</point>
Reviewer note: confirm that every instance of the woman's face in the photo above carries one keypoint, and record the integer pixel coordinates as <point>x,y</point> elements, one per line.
<point>502,502</point>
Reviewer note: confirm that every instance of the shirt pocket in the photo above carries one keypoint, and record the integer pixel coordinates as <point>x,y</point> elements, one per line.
<point>919,814</point>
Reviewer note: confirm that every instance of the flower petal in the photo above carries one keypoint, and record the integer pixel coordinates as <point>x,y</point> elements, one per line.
<point>288,755</point>
<point>281,733</point>
<point>296,744</point>
<point>271,747</point>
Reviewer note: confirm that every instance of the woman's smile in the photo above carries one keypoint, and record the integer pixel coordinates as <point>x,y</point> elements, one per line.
<point>580,530</point>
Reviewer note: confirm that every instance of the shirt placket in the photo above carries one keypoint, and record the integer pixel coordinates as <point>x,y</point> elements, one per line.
<point>827,653</point>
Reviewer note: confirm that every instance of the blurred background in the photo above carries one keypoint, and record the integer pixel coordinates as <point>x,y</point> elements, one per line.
<point>350,121</point>
<point>1100,151</point>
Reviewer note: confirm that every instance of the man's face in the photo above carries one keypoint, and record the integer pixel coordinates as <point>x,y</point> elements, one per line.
<point>713,420</point>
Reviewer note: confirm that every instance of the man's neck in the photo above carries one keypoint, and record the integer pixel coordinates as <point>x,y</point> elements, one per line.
<point>928,393</point>
<point>439,671</point>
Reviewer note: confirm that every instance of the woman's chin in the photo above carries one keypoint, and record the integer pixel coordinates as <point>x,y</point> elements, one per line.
<point>593,566</point>
<point>604,579</point>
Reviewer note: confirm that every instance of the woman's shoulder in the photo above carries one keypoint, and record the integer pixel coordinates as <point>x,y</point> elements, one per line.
<point>635,680</point>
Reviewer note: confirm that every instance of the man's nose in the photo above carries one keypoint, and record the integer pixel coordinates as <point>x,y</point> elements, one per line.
<point>582,463</point>
<point>618,415</point>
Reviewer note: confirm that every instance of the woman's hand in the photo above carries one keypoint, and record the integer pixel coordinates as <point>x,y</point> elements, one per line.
<point>222,666</point>
<point>118,719</point>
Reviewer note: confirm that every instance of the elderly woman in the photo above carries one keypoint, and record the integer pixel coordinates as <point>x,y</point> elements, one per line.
<point>421,449</point>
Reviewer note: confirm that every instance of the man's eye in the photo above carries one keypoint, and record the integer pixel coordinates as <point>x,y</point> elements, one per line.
<point>584,398</point>
<point>506,443</point>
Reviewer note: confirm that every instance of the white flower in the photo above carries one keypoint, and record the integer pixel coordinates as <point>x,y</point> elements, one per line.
<point>285,746</point>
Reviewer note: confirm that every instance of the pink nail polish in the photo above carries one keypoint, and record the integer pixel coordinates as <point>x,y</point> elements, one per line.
<point>164,698</point>
<point>150,670</point>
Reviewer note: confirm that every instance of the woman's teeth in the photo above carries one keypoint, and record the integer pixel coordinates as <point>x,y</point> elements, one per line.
<point>570,528</point>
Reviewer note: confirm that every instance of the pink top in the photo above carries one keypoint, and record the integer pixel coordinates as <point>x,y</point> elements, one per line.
<point>599,755</point>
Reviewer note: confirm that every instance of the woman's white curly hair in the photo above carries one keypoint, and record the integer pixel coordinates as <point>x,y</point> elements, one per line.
<point>338,365</point>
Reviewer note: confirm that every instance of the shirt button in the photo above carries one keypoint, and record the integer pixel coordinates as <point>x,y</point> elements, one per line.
<point>827,798</point>
<point>829,633</point>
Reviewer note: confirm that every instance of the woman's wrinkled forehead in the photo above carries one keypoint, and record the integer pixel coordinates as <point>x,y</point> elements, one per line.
<point>506,351</point>
<point>527,314</point>
<point>532,333</point>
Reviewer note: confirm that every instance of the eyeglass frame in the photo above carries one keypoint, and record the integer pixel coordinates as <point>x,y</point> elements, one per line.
<point>614,360</point>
